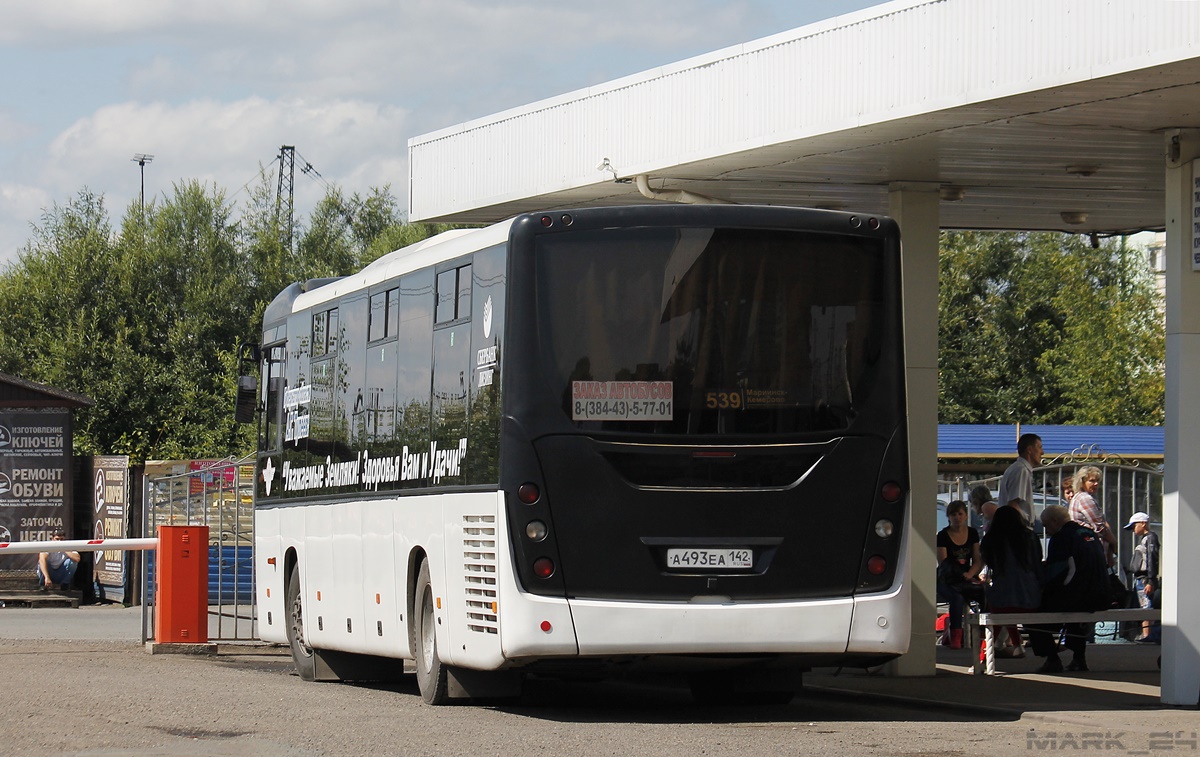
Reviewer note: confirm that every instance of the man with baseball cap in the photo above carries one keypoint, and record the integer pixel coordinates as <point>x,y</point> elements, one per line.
<point>1144,568</point>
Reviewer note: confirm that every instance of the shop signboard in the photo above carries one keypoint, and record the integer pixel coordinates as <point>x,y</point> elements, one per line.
<point>34,479</point>
<point>110,478</point>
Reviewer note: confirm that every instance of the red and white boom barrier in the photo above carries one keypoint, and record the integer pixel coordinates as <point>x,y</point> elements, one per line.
<point>78,545</point>
<point>181,576</point>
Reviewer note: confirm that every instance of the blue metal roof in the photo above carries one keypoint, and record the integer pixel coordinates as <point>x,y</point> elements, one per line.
<point>1000,440</point>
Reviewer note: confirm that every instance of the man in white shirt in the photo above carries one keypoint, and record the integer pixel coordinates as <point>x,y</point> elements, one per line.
<point>1017,482</point>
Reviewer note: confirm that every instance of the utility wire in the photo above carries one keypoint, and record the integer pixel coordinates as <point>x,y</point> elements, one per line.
<point>262,174</point>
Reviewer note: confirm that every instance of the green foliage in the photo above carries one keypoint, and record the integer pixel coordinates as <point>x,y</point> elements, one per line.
<point>1041,328</point>
<point>147,321</point>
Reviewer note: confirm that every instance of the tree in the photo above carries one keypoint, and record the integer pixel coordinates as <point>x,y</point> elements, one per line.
<point>1041,328</point>
<point>147,322</point>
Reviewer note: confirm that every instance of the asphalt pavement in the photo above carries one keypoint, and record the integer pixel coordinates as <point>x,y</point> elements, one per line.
<point>1121,690</point>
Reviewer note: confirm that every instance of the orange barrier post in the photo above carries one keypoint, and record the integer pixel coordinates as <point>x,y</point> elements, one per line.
<point>181,585</point>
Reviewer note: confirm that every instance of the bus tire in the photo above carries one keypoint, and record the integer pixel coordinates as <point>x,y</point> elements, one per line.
<point>302,654</point>
<point>431,673</point>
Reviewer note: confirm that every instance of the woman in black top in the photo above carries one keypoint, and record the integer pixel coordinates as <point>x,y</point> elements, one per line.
<point>959,564</point>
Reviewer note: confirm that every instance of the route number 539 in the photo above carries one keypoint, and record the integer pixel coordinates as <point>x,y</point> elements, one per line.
<point>723,400</point>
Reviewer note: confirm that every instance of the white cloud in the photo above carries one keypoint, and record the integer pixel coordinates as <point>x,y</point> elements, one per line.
<point>212,89</point>
<point>353,143</point>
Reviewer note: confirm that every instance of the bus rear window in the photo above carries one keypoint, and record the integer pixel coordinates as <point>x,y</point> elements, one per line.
<point>710,331</point>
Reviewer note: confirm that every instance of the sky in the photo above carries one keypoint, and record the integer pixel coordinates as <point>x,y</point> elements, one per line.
<point>212,89</point>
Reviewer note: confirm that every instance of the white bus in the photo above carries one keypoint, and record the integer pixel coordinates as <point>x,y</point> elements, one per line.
<point>591,442</point>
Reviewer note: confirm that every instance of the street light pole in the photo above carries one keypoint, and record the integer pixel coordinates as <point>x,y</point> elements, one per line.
<point>142,159</point>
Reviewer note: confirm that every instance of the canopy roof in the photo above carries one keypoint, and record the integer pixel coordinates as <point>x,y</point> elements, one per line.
<point>1039,114</point>
<point>1000,441</point>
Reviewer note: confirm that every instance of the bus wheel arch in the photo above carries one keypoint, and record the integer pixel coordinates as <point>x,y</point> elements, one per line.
<point>415,559</point>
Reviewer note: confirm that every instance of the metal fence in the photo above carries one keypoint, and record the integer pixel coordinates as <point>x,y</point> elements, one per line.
<point>219,495</point>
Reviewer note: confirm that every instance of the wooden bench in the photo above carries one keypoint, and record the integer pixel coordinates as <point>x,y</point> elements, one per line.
<point>990,620</point>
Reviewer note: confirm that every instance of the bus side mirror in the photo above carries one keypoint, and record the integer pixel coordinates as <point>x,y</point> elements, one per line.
<point>247,399</point>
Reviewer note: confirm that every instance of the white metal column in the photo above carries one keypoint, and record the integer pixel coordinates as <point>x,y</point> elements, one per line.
<point>1181,484</point>
<point>915,206</point>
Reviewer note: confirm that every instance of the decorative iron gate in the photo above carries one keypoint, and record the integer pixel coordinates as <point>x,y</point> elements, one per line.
<point>219,495</point>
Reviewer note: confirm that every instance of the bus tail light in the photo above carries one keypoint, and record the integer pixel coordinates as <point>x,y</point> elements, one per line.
<point>529,493</point>
<point>884,528</point>
<point>876,565</point>
<point>543,567</point>
<point>891,492</point>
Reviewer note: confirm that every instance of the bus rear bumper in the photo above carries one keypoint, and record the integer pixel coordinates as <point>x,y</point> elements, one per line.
<point>607,628</point>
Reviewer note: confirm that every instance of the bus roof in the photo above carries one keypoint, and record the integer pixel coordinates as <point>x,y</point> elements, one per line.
<point>445,246</point>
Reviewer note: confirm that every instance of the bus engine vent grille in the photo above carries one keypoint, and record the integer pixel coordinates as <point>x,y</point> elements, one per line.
<point>479,571</point>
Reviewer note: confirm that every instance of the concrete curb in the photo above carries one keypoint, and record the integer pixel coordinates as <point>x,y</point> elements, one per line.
<point>177,648</point>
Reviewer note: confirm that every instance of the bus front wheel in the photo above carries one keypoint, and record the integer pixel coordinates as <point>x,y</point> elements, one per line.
<point>302,653</point>
<point>431,673</point>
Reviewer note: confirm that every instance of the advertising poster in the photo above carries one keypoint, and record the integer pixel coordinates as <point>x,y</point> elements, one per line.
<point>34,479</point>
<point>110,478</point>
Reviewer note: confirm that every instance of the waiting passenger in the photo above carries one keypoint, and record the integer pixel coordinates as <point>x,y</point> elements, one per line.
<point>959,564</point>
<point>1075,579</point>
<point>983,504</point>
<point>1087,512</point>
<point>1013,556</point>
<point>1144,568</point>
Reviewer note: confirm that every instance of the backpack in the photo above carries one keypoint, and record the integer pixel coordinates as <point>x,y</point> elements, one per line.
<point>1087,575</point>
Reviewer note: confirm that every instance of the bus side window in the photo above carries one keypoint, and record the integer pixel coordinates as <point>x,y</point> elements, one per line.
<point>274,384</point>
<point>454,294</point>
<point>414,364</point>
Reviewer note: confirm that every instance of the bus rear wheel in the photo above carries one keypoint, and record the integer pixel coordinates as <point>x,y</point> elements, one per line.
<point>431,673</point>
<point>302,654</point>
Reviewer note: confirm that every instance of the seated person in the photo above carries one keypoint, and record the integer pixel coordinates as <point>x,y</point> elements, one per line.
<point>57,567</point>
<point>1075,579</point>
<point>959,564</point>
<point>1013,556</point>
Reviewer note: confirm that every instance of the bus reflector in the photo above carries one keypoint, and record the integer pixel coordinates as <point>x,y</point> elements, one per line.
<point>528,493</point>
<point>536,530</point>
<point>876,565</point>
<point>891,492</point>
<point>546,626</point>
<point>543,567</point>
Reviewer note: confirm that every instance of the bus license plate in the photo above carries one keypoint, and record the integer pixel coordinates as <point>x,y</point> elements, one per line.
<point>709,559</point>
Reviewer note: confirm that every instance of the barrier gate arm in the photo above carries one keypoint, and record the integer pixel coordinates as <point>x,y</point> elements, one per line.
<point>181,593</point>
<point>79,545</point>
